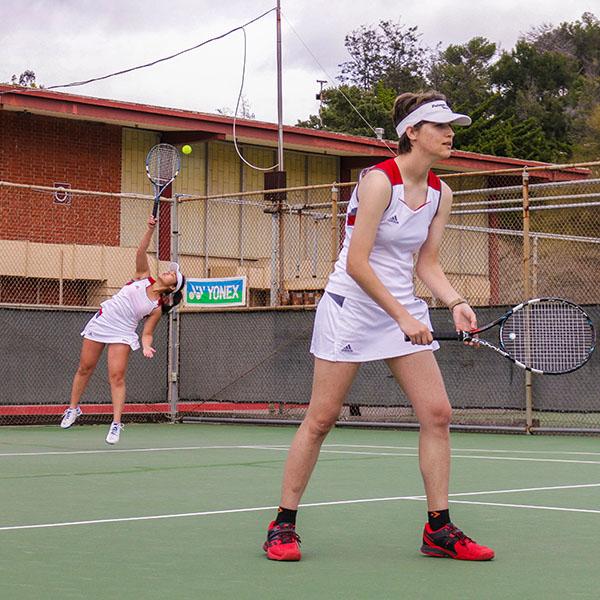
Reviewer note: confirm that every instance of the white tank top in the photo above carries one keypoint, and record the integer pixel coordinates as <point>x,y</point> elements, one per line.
<point>129,305</point>
<point>400,234</point>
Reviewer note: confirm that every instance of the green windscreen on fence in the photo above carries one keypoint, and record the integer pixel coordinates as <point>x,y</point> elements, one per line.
<point>258,365</point>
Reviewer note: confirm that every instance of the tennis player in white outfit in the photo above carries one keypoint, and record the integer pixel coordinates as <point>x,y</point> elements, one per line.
<point>114,325</point>
<point>398,209</point>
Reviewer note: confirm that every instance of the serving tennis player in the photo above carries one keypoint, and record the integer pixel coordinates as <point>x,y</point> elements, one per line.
<point>114,325</point>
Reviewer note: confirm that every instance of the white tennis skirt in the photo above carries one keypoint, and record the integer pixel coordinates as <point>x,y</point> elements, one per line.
<point>100,329</point>
<point>348,330</point>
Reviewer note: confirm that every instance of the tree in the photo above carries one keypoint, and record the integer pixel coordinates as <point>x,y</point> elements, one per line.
<point>462,73</point>
<point>539,101</point>
<point>545,73</point>
<point>580,43</point>
<point>585,121</point>
<point>244,110</point>
<point>25,79</point>
<point>502,133</point>
<point>534,86</point>
<point>579,40</point>
<point>390,54</point>
<point>386,60</point>
<point>336,113</point>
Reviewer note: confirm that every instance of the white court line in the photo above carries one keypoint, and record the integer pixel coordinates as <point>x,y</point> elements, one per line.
<point>533,489</point>
<point>203,513</point>
<point>285,448</point>
<point>127,450</point>
<point>558,508</point>
<point>517,458</point>
<point>313,504</point>
<point>492,450</point>
<point>525,459</point>
<point>148,518</point>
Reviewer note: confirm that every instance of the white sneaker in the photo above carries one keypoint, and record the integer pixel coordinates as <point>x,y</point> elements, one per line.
<point>69,417</point>
<point>114,433</point>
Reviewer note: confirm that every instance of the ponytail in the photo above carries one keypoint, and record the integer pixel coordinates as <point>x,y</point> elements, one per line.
<point>172,300</point>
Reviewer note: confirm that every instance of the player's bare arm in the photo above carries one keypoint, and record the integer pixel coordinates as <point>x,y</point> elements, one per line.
<point>148,332</point>
<point>142,267</point>
<point>429,269</point>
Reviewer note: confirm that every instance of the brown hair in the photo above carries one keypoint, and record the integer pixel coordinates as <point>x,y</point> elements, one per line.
<point>407,103</point>
<point>172,300</point>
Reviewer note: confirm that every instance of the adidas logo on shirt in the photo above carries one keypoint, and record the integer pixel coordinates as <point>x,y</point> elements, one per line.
<point>347,348</point>
<point>393,219</point>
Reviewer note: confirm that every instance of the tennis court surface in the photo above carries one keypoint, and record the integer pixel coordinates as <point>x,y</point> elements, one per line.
<point>180,511</point>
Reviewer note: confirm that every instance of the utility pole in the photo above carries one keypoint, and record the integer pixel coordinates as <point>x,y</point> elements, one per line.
<point>319,97</point>
<point>274,180</point>
<point>279,92</point>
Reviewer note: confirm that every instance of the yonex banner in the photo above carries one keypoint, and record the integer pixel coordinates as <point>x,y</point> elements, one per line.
<point>225,291</point>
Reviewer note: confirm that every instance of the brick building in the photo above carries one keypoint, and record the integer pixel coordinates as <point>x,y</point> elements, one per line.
<point>71,249</point>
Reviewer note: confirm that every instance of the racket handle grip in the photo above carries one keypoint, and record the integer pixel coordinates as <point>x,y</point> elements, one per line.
<point>444,336</point>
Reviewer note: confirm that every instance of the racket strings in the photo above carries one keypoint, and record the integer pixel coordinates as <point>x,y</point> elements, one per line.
<point>549,336</point>
<point>162,164</point>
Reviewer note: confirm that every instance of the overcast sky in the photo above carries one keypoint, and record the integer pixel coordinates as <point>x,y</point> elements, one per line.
<point>72,40</point>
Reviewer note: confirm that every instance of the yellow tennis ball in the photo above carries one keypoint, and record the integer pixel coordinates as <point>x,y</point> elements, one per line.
<point>187,149</point>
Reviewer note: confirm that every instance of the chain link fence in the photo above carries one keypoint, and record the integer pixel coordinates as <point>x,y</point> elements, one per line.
<point>283,241</point>
<point>512,234</point>
<point>63,252</point>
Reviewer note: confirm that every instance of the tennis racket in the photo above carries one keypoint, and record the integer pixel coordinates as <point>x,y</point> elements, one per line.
<point>162,166</point>
<point>550,336</point>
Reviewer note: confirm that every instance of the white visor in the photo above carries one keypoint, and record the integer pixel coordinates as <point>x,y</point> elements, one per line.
<point>175,267</point>
<point>433,112</point>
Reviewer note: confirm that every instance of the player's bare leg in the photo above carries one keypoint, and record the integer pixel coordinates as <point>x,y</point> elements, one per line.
<point>331,382</point>
<point>118,357</point>
<point>88,359</point>
<point>420,377</point>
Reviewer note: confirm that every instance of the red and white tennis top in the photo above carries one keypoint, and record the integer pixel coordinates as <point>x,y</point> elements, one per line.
<point>400,234</point>
<point>118,317</point>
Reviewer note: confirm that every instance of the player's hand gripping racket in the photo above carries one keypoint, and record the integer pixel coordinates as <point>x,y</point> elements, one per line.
<point>544,335</point>
<point>162,166</point>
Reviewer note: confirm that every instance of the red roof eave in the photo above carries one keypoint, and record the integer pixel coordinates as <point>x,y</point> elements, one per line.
<point>159,118</point>
<point>169,119</point>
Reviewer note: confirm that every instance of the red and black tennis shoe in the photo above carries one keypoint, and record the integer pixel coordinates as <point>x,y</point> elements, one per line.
<point>283,543</point>
<point>450,542</point>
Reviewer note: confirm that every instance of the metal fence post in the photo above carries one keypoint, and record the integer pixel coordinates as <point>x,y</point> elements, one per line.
<point>276,180</point>
<point>534,264</point>
<point>207,190</point>
<point>281,252</point>
<point>274,295</point>
<point>335,243</point>
<point>527,295</point>
<point>205,232</point>
<point>173,358</point>
<point>242,186</point>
